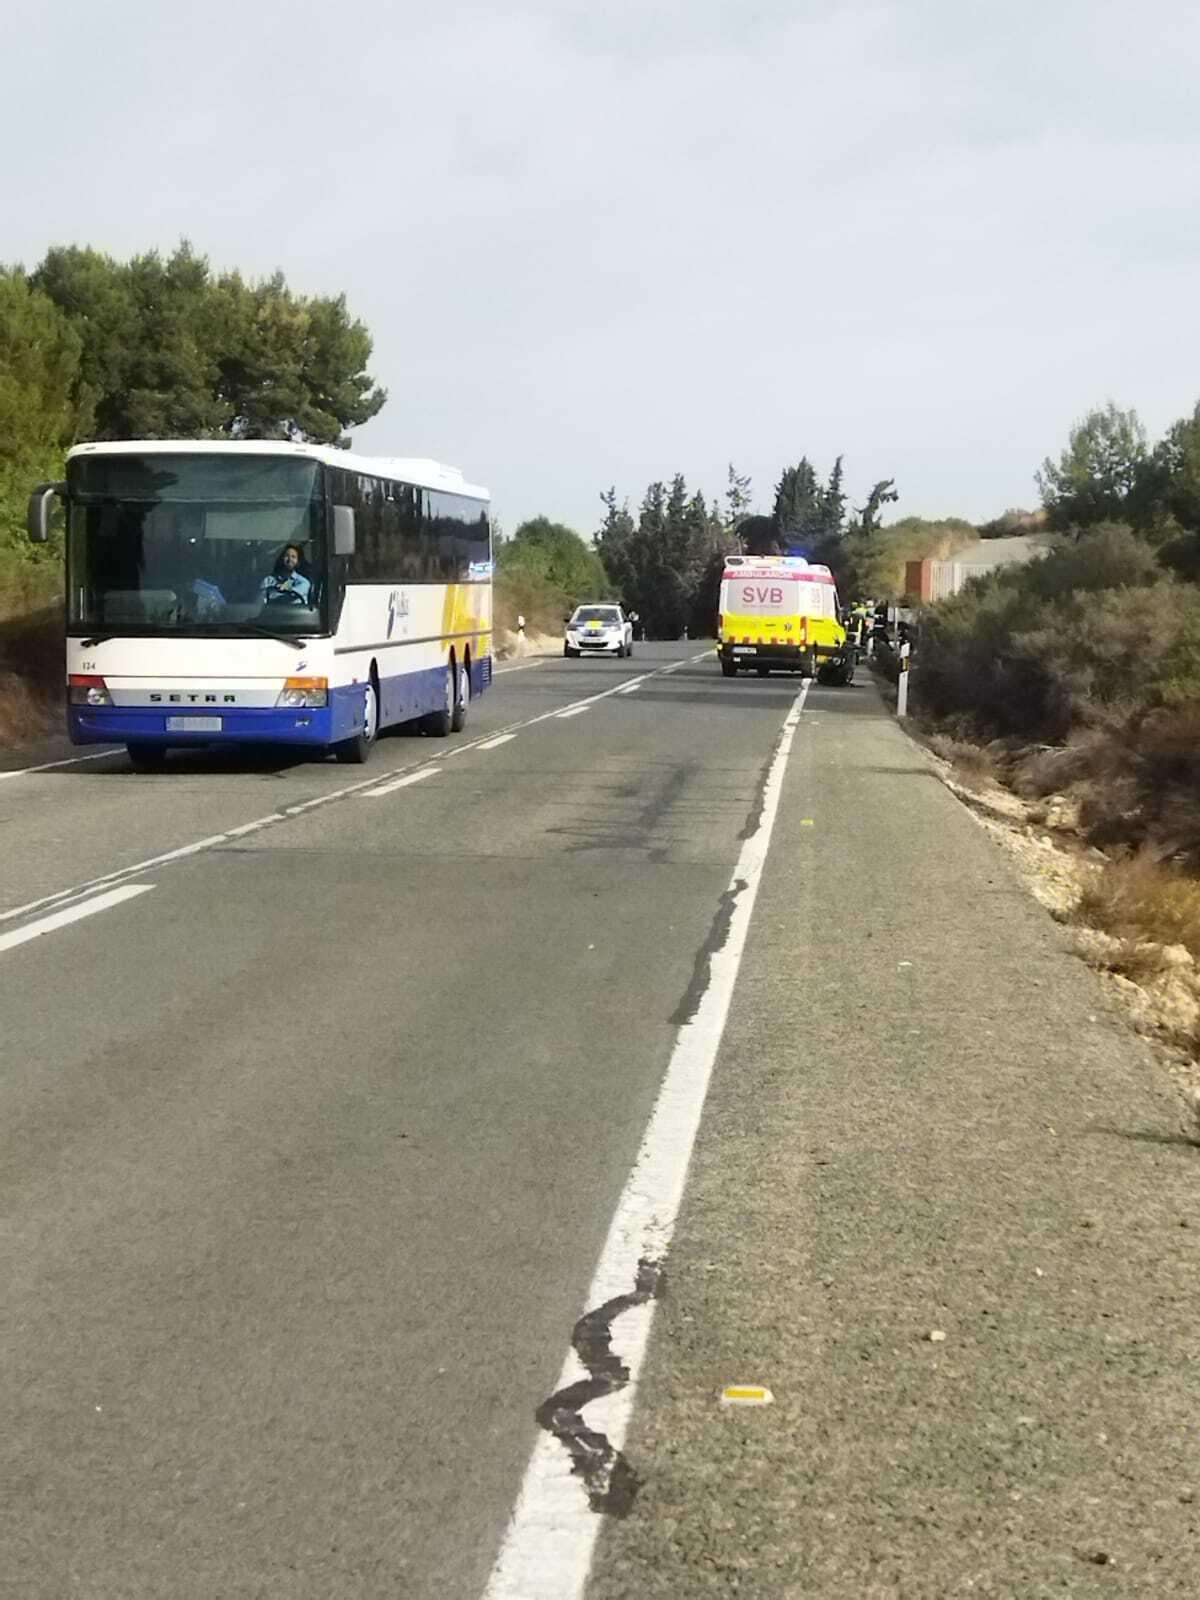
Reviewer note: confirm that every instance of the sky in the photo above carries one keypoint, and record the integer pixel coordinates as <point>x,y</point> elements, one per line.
<point>601,244</point>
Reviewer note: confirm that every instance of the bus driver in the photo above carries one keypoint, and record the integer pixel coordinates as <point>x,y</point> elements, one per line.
<point>286,583</point>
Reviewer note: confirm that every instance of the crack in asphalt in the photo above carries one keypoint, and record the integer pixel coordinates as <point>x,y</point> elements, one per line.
<point>610,1481</point>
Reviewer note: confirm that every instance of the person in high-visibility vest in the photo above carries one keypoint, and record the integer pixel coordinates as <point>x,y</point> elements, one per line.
<point>859,624</point>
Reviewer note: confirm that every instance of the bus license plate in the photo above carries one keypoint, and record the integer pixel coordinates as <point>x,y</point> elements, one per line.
<point>195,724</point>
<point>744,649</point>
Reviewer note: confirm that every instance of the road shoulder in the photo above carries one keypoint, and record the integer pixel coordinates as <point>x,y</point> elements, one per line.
<point>923,1121</point>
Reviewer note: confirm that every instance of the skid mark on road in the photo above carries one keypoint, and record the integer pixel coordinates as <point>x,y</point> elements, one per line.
<point>610,1481</point>
<point>717,940</point>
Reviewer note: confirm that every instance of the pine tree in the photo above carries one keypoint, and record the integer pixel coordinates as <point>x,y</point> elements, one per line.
<point>797,499</point>
<point>832,504</point>
<point>738,499</point>
<point>170,352</point>
<point>882,494</point>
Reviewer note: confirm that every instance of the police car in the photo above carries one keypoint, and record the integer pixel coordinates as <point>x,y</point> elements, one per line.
<point>598,630</point>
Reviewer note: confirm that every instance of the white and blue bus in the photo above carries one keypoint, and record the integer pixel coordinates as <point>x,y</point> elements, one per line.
<point>225,593</point>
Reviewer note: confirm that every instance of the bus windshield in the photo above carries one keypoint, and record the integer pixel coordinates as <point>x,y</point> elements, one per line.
<point>195,544</point>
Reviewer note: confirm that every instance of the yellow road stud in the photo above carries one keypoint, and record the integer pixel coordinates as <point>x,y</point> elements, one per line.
<point>746,1394</point>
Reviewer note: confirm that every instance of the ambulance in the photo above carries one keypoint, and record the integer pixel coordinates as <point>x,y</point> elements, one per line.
<point>781,614</point>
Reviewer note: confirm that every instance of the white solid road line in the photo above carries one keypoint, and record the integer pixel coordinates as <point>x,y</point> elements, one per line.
<point>547,1550</point>
<point>77,891</point>
<point>69,761</point>
<point>501,671</point>
<point>573,711</point>
<point>494,744</point>
<point>60,919</point>
<point>401,783</point>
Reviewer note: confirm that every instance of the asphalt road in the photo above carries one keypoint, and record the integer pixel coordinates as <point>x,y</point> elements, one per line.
<point>311,1135</point>
<point>307,1151</point>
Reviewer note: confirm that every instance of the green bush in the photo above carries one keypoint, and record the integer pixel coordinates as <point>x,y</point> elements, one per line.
<point>519,592</point>
<point>1087,664</point>
<point>557,554</point>
<point>1037,650</point>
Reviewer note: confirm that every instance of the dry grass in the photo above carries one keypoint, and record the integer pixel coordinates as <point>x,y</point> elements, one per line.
<point>1143,901</point>
<point>31,674</point>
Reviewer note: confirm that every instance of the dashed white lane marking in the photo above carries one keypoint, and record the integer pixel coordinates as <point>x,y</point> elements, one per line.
<point>494,744</point>
<point>401,783</point>
<point>79,890</point>
<point>69,761</point>
<point>628,688</point>
<point>690,661</point>
<point>572,711</point>
<point>60,919</point>
<point>547,1550</point>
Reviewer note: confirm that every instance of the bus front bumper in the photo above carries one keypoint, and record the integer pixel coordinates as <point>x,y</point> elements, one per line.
<point>224,725</point>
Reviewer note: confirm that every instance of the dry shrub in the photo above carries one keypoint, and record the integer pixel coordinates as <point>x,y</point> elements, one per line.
<point>975,765</point>
<point>1040,770</point>
<point>1135,779</point>
<point>1142,900</point>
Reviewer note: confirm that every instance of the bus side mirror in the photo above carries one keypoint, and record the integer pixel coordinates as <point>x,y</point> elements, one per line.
<point>343,530</point>
<point>41,505</point>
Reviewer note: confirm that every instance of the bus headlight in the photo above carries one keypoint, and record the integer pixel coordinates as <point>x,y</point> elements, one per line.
<point>301,694</point>
<point>85,690</point>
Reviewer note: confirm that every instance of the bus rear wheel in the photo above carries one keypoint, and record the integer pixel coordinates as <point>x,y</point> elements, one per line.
<point>438,724</point>
<point>462,700</point>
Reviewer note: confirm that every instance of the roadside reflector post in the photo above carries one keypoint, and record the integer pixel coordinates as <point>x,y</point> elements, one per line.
<point>902,681</point>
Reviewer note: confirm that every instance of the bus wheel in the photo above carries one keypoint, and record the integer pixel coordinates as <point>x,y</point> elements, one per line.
<point>462,700</point>
<point>437,724</point>
<point>147,757</point>
<point>763,672</point>
<point>356,750</point>
<point>728,667</point>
